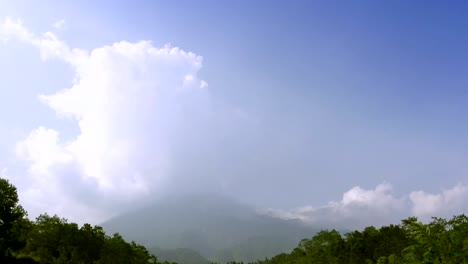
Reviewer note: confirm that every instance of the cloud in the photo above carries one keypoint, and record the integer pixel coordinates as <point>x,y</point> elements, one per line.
<point>378,199</point>
<point>48,44</point>
<point>131,101</point>
<point>60,24</point>
<point>359,207</point>
<point>14,29</point>
<point>447,202</point>
<point>4,173</point>
<point>41,149</point>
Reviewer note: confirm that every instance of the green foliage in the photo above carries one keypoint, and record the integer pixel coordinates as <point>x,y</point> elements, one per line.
<point>11,218</point>
<point>116,250</point>
<point>412,242</point>
<point>53,240</point>
<point>324,247</point>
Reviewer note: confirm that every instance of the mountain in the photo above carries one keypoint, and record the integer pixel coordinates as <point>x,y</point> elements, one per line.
<point>179,255</point>
<point>217,227</point>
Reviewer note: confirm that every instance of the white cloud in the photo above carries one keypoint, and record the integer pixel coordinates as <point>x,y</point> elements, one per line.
<point>357,208</point>
<point>130,101</point>
<point>3,173</point>
<point>48,44</point>
<point>447,202</point>
<point>60,24</point>
<point>41,149</point>
<point>360,207</point>
<point>379,199</point>
<point>14,29</point>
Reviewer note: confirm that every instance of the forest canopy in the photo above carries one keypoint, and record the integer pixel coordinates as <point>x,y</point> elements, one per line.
<point>51,239</point>
<point>412,242</point>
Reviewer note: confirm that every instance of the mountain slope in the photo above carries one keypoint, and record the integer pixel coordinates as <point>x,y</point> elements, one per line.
<point>179,255</point>
<point>218,228</point>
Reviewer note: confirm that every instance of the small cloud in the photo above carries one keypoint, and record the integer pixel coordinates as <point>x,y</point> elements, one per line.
<point>357,208</point>
<point>60,25</point>
<point>3,173</point>
<point>360,207</point>
<point>48,44</point>
<point>11,28</point>
<point>447,202</point>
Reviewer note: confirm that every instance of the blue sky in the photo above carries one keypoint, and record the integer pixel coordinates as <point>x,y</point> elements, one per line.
<point>306,98</point>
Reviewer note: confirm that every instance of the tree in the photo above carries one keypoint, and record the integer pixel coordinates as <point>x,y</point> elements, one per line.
<point>116,250</point>
<point>325,247</point>
<point>392,239</point>
<point>11,216</point>
<point>47,239</point>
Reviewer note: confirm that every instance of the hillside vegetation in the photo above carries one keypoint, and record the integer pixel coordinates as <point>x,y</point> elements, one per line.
<point>412,242</point>
<point>51,239</point>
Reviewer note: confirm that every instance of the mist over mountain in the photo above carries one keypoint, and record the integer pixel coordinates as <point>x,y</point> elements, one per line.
<point>217,227</point>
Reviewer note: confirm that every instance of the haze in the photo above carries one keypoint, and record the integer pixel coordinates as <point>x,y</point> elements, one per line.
<point>323,111</point>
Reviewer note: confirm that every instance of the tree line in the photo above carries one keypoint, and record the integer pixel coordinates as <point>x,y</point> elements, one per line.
<point>51,239</point>
<point>411,242</point>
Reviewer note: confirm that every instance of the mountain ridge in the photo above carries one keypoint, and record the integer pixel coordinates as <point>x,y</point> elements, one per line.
<point>215,226</point>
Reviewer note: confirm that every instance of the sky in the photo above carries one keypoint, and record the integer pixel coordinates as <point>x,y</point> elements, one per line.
<point>325,111</point>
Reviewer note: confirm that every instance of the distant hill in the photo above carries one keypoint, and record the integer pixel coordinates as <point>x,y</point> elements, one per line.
<point>179,255</point>
<point>218,228</point>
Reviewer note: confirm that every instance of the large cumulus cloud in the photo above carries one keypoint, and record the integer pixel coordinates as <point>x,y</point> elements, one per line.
<point>133,103</point>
